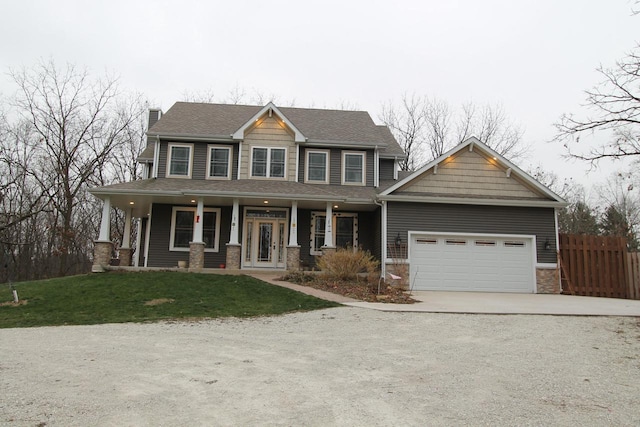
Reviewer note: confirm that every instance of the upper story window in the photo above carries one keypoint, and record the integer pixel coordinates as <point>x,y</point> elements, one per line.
<point>182,223</point>
<point>219,162</point>
<point>317,170</point>
<point>179,160</point>
<point>353,167</point>
<point>268,162</point>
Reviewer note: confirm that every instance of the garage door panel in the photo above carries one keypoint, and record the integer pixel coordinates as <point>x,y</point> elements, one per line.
<point>472,263</point>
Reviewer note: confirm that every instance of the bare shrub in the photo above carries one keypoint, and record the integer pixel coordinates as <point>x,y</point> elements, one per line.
<point>347,264</point>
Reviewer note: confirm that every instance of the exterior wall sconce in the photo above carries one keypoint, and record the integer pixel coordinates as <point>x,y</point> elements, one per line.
<point>547,244</point>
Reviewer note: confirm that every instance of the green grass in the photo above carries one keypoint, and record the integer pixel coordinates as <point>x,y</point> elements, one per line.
<point>120,297</point>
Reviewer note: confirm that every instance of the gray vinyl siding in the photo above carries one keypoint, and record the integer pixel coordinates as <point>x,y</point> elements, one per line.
<point>199,160</point>
<point>387,167</point>
<point>159,253</point>
<point>404,217</point>
<point>368,241</point>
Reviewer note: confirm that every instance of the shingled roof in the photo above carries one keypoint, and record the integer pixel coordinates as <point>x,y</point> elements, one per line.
<point>188,119</point>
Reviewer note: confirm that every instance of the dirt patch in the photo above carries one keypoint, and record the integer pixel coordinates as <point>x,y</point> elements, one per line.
<point>159,301</point>
<point>359,289</point>
<point>14,304</point>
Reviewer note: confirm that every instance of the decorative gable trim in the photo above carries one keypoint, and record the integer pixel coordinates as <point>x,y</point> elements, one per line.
<point>473,144</point>
<point>269,110</point>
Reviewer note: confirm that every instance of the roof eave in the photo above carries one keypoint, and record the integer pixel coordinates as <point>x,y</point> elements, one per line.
<point>472,201</point>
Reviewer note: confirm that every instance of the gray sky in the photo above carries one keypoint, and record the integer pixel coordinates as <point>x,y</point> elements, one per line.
<point>536,57</point>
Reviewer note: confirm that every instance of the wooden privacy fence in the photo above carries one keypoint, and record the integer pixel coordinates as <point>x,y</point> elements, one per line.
<point>598,266</point>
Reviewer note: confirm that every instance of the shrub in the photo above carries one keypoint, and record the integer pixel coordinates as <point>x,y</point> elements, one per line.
<point>347,264</point>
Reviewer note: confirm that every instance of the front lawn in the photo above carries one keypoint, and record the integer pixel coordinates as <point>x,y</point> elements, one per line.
<point>137,297</point>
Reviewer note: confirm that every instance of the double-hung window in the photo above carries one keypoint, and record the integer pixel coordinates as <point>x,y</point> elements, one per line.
<point>268,162</point>
<point>179,160</point>
<point>317,170</point>
<point>353,167</point>
<point>182,223</point>
<point>219,162</point>
<point>344,224</point>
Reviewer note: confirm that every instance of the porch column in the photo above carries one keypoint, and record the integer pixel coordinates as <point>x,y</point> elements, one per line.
<point>103,247</point>
<point>196,246</point>
<point>106,221</point>
<point>293,229</point>
<point>235,213</point>
<point>328,228</point>
<point>233,247</point>
<point>125,250</point>
<point>293,249</point>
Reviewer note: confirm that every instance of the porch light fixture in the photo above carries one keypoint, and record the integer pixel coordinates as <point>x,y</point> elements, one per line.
<point>398,240</point>
<point>547,244</point>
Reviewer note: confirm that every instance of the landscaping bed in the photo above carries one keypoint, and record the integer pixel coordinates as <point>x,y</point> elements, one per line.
<point>362,289</point>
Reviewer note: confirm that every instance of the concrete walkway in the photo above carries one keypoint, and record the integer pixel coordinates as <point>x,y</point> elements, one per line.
<point>508,303</point>
<point>479,302</point>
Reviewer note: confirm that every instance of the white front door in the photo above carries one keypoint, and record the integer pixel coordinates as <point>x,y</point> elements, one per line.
<point>264,240</point>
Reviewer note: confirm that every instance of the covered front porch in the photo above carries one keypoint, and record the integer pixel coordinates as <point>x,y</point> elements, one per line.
<point>212,231</point>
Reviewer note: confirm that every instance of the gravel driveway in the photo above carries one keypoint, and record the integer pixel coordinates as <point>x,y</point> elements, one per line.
<point>341,366</point>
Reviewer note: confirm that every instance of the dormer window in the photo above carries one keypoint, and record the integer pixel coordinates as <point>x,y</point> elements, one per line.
<point>267,162</point>
<point>317,170</point>
<point>353,167</point>
<point>179,160</point>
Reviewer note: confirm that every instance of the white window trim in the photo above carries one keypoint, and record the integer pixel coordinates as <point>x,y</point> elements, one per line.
<point>335,215</point>
<point>216,244</point>
<point>169,147</point>
<point>230,161</point>
<point>306,167</point>
<point>268,176</point>
<point>363,154</point>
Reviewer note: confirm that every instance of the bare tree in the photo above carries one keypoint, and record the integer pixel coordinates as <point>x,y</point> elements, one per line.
<point>76,123</point>
<point>407,122</point>
<point>614,107</point>
<point>427,127</point>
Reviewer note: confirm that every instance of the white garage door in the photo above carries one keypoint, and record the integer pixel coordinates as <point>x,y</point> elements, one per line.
<point>472,263</point>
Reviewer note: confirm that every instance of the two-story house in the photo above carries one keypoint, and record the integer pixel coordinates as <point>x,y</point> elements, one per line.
<point>247,187</point>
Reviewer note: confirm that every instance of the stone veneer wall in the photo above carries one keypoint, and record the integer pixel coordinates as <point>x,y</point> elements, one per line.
<point>101,256</point>
<point>233,256</point>
<point>196,256</point>
<point>124,254</point>
<point>547,281</point>
<point>293,258</point>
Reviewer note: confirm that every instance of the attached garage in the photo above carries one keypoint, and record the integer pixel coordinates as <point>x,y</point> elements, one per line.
<point>473,262</point>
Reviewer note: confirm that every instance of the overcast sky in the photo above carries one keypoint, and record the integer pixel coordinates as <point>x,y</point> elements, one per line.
<point>536,57</point>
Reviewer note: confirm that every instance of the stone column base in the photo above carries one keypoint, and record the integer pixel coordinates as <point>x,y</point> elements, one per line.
<point>234,251</point>
<point>548,281</point>
<point>196,256</point>
<point>293,258</point>
<point>124,254</point>
<point>328,250</point>
<point>102,251</point>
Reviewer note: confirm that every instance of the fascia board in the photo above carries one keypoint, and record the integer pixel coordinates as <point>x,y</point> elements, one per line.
<point>473,201</point>
<point>239,134</point>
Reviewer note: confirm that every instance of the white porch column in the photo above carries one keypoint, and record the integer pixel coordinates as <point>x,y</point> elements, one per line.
<point>106,221</point>
<point>197,229</point>
<point>328,228</point>
<point>293,229</point>
<point>235,217</point>
<point>126,239</point>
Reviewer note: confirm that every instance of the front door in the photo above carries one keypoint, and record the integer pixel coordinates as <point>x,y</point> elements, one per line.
<point>264,239</point>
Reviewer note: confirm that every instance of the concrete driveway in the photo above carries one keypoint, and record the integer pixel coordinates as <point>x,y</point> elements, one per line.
<point>509,303</point>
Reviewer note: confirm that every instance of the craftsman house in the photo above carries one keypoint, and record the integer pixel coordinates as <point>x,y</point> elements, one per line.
<point>265,187</point>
